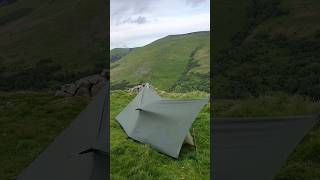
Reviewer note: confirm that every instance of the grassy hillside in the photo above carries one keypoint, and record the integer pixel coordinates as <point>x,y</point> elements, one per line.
<point>70,35</point>
<point>118,53</point>
<point>177,62</point>
<point>265,63</point>
<point>233,21</point>
<point>267,46</point>
<point>303,163</point>
<point>132,160</point>
<point>29,122</point>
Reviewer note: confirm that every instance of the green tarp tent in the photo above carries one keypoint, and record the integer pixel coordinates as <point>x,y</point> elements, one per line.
<point>79,152</point>
<point>163,124</point>
<point>255,148</point>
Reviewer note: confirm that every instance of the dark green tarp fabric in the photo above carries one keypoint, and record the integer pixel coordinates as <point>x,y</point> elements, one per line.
<point>255,148</point>
<point>163,124</point>
<point>79,152</point>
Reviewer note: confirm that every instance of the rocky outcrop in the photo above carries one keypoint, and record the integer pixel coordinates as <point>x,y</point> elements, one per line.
<point>135,89</point>
<point>87,86</point>
<point>138,88</point>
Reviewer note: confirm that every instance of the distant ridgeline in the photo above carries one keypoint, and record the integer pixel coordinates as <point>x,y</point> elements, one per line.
<point>276,49</point>
<point>178,63</point>
<point>118,53</point>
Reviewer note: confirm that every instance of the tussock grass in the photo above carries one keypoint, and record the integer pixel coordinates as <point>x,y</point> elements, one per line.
<point>28,124</point>
<point>277,104</point>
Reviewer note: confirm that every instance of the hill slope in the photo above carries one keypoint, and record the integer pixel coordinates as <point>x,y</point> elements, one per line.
<point>177,62</point>
<point>70,36</point>
<point>266,46</point>
<point>118,53</point>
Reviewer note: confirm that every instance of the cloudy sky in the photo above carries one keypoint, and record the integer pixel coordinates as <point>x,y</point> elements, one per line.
<point>136,23</point>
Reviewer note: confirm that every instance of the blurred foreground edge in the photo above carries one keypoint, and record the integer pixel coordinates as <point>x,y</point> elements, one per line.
<point>255,148</point>
<point>80,151</point>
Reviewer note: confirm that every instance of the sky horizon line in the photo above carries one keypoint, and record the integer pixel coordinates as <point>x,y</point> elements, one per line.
<point>159,39</point>
<point>135,23</point>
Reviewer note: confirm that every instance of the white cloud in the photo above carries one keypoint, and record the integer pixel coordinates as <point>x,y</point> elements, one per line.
<point>142,23</point>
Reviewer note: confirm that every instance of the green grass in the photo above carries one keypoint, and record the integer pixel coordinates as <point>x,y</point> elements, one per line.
<point>133,160</point>
<point>304,162</point>
<point>162,62</point>
<point>30,121</point>
<point>276,104</point>
<point>28,124</point>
